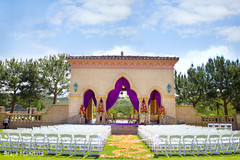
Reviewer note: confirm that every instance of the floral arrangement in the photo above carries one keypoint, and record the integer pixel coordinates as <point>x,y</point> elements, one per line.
<point>82,110</point>
<point>144,108</point>
<point>162,111</point>
<point>100,108</point>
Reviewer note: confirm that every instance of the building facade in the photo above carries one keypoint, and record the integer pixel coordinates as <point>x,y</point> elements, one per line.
<point>144,74</point>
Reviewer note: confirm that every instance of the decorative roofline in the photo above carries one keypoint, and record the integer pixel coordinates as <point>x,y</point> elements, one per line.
<point>123,57</point>
<point>122,62</point>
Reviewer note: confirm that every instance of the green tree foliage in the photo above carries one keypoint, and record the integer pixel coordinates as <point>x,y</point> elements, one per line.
<point>236,92</point>
<point>4,98</point>
<point>14,70</point>
<point>204,86</point>
<point>123,106</point>
<point>2,74</point>
<point>55,72</point>
<point>31,88</point>
<point>191,88</point>
<point>223,78</point>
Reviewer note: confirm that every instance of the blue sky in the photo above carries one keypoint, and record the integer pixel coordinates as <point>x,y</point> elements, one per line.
<point>190,29</point>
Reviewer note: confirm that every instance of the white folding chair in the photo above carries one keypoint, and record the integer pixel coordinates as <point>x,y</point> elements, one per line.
<point>228,127</point>
<point>188,144</point>
<point>217,126</point>
<point>175,145</point>
<point>39,142</point>
<point>26,143</point>
<point>80,145</point>
<point>4,141</point>
<point>95,145</point>
<point>226,144</point>
<point>214,143</point>
<point>52,143</point>
<point>66,144</point>
<point>14,142</point>
<point>201,144</point>
<point>210,125</point>
<point>236,142</point>
<point>161,145</point>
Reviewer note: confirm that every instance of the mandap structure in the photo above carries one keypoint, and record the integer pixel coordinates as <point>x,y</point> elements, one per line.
<point>148,81</point>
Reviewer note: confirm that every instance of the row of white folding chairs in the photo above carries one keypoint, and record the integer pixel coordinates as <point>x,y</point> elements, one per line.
<point>176,128</point>
<point>52,143</point>
<point>188,144</point>
<point>148,133</point>
<point>83,129</point>
<point>185,130</point>
<point>220,126</point>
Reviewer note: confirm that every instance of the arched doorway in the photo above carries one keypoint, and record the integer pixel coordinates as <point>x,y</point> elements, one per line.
<point>89,97</point>
<point>154,102</point>
<point>122,84</point>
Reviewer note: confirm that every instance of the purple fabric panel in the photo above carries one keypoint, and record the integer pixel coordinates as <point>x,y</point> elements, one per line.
<point>132,95</point>
<point>151,95</point>
<point>87,96</point>
<point>133,98</point>
<point>157,96</point>
<point>113,95</point>
<point>94,99</point>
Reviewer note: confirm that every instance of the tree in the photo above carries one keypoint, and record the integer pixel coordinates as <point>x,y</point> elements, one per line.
<point>191,88</point>
<point>31,89</point>
<point>2,75</point>
<point>5,98</point>
<point>55,72</point>
<point>236,83</point>
<point>222,79</point>
<point>13,81</point>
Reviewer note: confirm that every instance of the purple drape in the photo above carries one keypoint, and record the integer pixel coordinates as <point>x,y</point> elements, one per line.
<point>87,96</point>
<point>157,96</point>
<point>113,95</point>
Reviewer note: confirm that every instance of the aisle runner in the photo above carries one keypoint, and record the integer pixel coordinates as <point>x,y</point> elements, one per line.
<point>129,146</point>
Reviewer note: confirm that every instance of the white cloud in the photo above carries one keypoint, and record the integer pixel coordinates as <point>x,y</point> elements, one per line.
<point>193,12</point>
<point>197,57</point>
<point>42,50</point>
<point>122,31</point>
<point>30,51</point>
<point>89,12</point>
<point>127,50</point>
<point>44,33</point>
<point>187,32</point>
<point>20,35</point>
<point>231,34</point>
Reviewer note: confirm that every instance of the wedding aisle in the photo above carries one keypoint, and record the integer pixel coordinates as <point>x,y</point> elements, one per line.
<point>126,146</point>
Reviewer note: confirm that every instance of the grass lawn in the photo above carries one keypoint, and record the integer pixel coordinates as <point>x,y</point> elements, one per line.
<point>120,147</point>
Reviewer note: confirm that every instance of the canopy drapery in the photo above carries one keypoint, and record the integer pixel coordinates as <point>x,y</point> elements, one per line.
<point>113,95</point>
<point>87,96</point>
<point>157,96</point>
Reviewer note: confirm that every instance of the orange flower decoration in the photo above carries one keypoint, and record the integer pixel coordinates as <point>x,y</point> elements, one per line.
<point>144,108</point>
<point>100,108</point>
<point>82,110</point>
<point>162,111</point>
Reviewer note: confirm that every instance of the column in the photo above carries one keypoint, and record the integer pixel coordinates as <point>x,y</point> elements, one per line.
<point>147,115</point>
<point>97,114</point>
<point>134,110</point>
<point>139,110</point>
<point>104,99</point>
